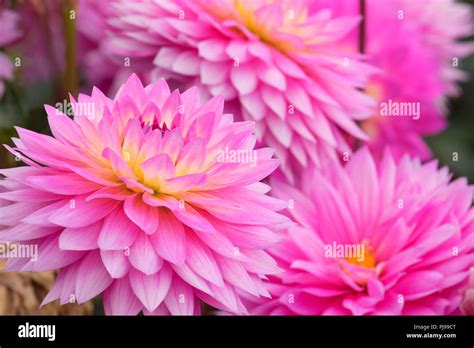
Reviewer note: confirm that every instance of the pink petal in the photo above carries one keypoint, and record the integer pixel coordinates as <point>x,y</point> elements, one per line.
<point>79,213</point>
<point>119,299</point>
<point>84,238</point>
<point>169,240</point>
<point>92,277</point>
<point>151,289</point>
<point>116,262</point>
<point>180,298</point>
<point>143,215</point>
<point>143,257</point>
<point>201,260</point>
<point>118,232</point>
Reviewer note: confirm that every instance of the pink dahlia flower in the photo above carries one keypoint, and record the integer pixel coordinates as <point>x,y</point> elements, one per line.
<point>416,46</point>
<point>10,33</point>
<point>150,198</point>
<point>374,239</point>
<point>468,302</point>
<point>282,64</point>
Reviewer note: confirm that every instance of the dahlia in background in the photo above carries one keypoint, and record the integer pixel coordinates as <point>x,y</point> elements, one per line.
<point>10,34</point>
<point>416,45</point>
<point>99,68</point>
<point>41,49</point>
<point>151,198</point>
<point>393,238</point>
<point>282,64</point>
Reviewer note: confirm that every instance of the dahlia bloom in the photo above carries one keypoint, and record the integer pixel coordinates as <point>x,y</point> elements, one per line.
<point>10,33</point>
<point>136,199</point>
<point>415,45</point>
<point>392,238</point>
<point>97,66</point>
<point>281,63</point>
<point>468,302</point>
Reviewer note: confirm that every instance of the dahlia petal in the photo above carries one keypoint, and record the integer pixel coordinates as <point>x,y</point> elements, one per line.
<point>254,105</point>
<point>119,165</point>
<point>168,112</point>
<point>62,127</point>
<point>119,299</point>
<point>42,215</point>
<point>84,238</point>
<point>79,213</point>
<point>109,239</point>
<point>68,285</point>
<point>273,77</point>
<point>297,97</point>
<point>157,168</point>
<point>172,144</point>
<point>65,184</point>
<point>13,213</point>
<point>192,157</point>
<point>260,262</point>
<point>201,260</point>
<point>234,273</point>
<point>55,292</point>
<point>23,232</point>
<point>214,73</point>
<point>180,298</point>
<point>116,262</point>
<point>192,218</point>
<point>50,257</point>
<point>151,289</point>
<point>187,63</point>
<point>161,200</point>
<point>169,240</point>
<point>244,79</point>
<point>92,278</point>
<point>274,100</point>
<point>119,192</point>
<point>419,284</point>
<point>212,50</point>
<point>183,183</point>
<point>190,277</point>
<point>143,215</point>
<point>132,141</point>
<point>133,88</point>
<point>143,257</point>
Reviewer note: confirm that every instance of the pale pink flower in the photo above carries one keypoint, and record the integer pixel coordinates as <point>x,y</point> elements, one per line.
<point>99,68</point>
<point>10,34</point>
<point>139,197</point>
<point>281,63</point>
<point>387,238</point>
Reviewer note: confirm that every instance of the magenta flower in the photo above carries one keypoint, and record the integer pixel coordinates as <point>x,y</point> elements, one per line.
<point>281,63</point>
<point>468,302</point>
<point>10,34</point>
<point>151,198</point>
<point>374,239</point>
<point>416,45</point>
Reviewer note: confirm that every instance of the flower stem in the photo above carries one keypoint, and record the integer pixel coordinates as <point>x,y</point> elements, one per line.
<point>70,76</point>
<point>362,11</point>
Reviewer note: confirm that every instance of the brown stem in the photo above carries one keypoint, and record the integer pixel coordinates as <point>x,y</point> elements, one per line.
<point>70,76</point>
